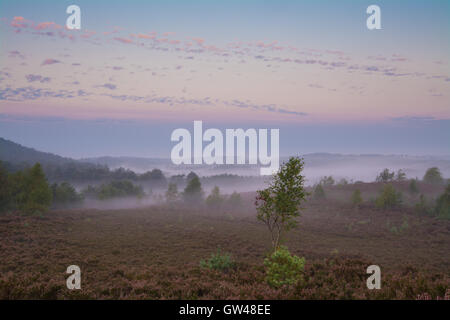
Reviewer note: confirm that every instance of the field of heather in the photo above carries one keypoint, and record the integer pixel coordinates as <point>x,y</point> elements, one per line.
<point>155,252</point>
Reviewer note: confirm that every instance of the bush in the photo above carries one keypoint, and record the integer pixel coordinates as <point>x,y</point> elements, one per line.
<point>4,189</point>
<point>30,192</point>
<point>214,200</point>
<point>218,261</point>
<point>413,189</point>
<point>385,176</point>
<point>442,209</point>
<point>172,193</point>
<point>65,193</point>
<point>389,198</point>
<point>114,189</point>
<point>356,198</point>
<point>193,192</point>
<point>283,269</point>
<point>433,176</point>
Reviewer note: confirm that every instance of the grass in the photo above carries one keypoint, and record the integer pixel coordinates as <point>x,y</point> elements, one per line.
<point>155,253</point>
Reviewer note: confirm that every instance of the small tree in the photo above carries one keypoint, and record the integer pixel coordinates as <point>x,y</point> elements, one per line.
<point>37,195</point>
<point>413,189</point>
<point>278,206</point>
<point>389,198</point>
<point>442,209</point>
<point>385,176</point>
<point>65,193</point>
<point>433,176</point>
<point>191,176</point>
<point>193,192</point>
<point>356,198</point>
<point>5,192</point>
<point>214,200</point>
<point>172,193</point>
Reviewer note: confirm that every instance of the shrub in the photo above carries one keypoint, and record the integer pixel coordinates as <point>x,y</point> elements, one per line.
<point>356,198</point>
<point>114,189</point>
<point>218,261</point>
<point>172,193</point>
<point>64,193</point>
<point>193,192</point>
<point>389,198</point>
<point>433,176</point>
<point>214,200</point>
<point>413,187</point>
<point>4,189</point>
<point>442,209</point>
<point>385,176</point>
<point>283,269</point>
<point>30,191</point>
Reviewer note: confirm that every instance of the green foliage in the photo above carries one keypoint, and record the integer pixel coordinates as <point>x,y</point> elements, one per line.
<point>442,209</point>
<point>433,176</point>
<point>65,193</point>
<point>113,189</point>
<point>29,190</point>
<point>319,193</point>
<point>284,269</point>
<point>218,261</point>
<point>191,176</point>
<point>172,193</point>
<point>214,200</point>
<point>413,189</point>
<point>278,206</point>
<point>5,192</point>
<point>235,200</point>
<point>385,176</point>
<point>193,192</point>
<point>356,198</point>
<point>389,198</point>
<point>155,176</point>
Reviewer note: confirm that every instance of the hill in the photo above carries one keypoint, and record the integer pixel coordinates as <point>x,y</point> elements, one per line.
<point>15,153</point>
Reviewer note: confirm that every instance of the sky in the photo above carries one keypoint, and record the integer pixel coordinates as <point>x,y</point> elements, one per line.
<point>139,69</point>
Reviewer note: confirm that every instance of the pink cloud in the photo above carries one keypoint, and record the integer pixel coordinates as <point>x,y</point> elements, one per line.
<point>146,36</point>
<point>199,41</point>
<point>47,62</point>
<point>45,25</point>
<point>123,40</point>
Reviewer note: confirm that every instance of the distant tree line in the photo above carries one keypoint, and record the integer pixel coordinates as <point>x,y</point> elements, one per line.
<point>83,171</point>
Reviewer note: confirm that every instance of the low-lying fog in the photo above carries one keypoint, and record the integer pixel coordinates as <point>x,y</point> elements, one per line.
<point>351,167</point>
